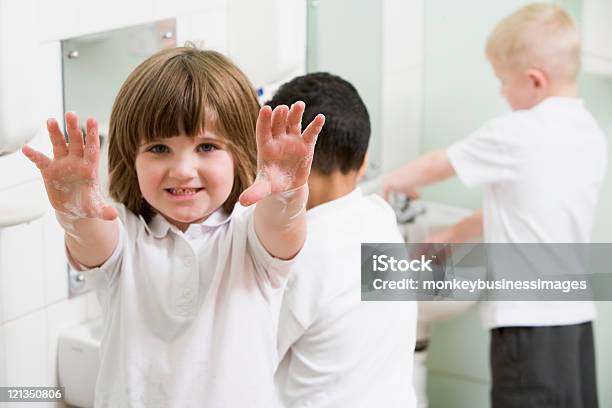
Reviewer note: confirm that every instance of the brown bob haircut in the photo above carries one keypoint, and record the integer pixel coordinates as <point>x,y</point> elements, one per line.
<point>181,91</point>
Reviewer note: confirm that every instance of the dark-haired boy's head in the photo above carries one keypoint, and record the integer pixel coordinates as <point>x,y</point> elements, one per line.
<point>343,141</point>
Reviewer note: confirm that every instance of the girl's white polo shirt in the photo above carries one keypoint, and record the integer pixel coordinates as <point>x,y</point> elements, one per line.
<point>189,318</point>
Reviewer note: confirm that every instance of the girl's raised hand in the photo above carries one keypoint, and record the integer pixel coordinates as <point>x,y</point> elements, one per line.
<point>284,152</point>
<point>71,177</point>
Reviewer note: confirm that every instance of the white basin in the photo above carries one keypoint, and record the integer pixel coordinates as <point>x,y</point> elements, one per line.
<point>78,362</point>
<point>436,218</point>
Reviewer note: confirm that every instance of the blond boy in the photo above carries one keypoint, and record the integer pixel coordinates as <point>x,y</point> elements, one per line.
<point>541,168</point>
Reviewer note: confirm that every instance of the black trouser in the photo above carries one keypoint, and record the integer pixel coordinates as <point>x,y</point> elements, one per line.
<point>543,367</point>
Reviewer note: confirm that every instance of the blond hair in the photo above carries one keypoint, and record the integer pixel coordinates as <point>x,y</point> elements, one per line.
<point>540,36</point>
<point>181,91</point>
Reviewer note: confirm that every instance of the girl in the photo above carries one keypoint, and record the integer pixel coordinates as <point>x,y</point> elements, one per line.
<point>189,281</point>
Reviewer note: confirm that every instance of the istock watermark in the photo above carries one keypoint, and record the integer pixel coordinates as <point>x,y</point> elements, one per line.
<point>486,272</point>
<point>383,263</point>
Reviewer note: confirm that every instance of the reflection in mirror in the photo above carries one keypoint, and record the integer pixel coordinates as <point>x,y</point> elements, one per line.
<point>94,67</point>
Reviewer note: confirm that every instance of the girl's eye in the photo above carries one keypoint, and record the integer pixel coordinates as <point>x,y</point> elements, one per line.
<point>207,147</point>
<point>158,149</point>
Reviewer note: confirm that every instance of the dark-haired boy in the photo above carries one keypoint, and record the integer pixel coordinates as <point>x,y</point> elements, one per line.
<point>337,351</point>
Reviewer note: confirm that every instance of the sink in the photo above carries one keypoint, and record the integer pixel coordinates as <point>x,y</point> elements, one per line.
<point>79,361</point>
<point>435,218</point>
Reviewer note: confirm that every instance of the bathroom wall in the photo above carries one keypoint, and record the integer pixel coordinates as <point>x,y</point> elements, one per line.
<point>34,304</point>
<point>377,45</point>
<point>597,93</point>
<point>460,92</point>
<point>347,47</point>
<point>460,89</point>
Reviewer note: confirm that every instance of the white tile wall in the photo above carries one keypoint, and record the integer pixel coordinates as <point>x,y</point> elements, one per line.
<point>27,355</point>
<point>207,30</point>
<point>282,23</point>
<point>1,286</point>
<point>28,345</point>
<point>165,9</point>
<point>401,97</point>
<point>2,358</point>
<point>19,68</point>
<point>55,265</point>
<point>403,30</point>
<point>133,12</point>
<point>49,87</point>
<point>96,16</point>
<point>21,266</point>
<point>596,29</point>
<point>597,56</point>
<point>34,291</point>
<point>27,350</point>
<point>57,19</point>
<point>60,316</point>
<point>63,19</point>
<point>401,90</point>
<point>2,345</point>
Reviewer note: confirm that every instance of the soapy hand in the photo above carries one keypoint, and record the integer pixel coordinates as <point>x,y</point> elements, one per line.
<point>71,177</point>
<point>284,153</point>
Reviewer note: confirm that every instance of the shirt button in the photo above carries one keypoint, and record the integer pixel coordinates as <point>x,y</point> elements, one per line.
<point>188,262</point>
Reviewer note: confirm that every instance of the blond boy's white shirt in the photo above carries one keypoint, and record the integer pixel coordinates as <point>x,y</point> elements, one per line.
<point>541,171</point>
<point>189,319</point>
<point>336,350</point>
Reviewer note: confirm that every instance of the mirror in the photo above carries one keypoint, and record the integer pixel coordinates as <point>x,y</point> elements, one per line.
<point>94,67</point>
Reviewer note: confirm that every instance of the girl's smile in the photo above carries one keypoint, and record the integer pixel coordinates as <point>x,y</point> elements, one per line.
<point>183,193</point>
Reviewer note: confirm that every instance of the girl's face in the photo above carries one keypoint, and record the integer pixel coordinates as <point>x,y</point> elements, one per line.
<point>185,179</point>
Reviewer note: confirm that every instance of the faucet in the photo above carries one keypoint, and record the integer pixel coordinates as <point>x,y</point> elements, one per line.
<point>406,211</point>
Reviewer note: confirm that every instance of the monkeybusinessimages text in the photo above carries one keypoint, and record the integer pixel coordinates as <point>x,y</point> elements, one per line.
<point>385,263</point>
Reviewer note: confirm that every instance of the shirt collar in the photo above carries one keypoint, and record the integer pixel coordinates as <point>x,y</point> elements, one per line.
<point>159,226</point>
<point>340,202</point>
<point>561,101</point>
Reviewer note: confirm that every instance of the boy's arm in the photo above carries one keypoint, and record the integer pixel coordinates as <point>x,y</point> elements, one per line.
<point>71,181</point>
<point>284,156</point>
<point>426,169</point>
<point>467,230</point>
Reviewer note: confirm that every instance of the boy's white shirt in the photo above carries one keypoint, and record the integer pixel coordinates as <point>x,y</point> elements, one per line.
<point>337,351</point>
<point>542,170</point>
<point>189,319</point>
